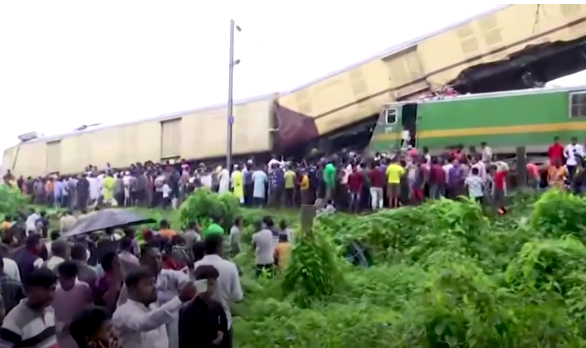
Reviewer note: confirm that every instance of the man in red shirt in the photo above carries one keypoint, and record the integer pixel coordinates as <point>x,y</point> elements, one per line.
<point>556,151</point>
<point>500,189</point>
<point>437,179</point>
<point>421,178</point>
<point>377,183</point>
<point>457,152</point>
<point>355,186</point>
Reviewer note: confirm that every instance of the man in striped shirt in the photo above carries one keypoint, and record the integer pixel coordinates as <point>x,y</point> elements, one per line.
<point>31,324</point>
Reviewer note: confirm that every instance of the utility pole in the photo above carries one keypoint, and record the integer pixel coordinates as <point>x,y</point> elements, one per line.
<point>230,117</point>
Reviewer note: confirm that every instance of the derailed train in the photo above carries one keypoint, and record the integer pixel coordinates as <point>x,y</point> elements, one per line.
<point>193,134</point>
<point>474,52</point>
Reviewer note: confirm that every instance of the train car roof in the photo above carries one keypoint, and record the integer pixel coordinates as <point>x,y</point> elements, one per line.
<point>159,118</point>
<point>398,48</point>
<point>541,90</point>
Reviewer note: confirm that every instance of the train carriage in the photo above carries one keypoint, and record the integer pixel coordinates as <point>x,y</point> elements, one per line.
<point>487,52</point>
<point>195,134</point>
<point>504,120</point>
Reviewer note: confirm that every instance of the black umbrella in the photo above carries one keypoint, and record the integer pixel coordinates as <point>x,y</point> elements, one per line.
<point>107,218</point>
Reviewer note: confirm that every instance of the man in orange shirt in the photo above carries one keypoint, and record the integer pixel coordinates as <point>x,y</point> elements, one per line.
<point>283,252</point>
<point>165,230</point>
<point>6,224</point>
<point>556,175</point>
<point>49,188</point>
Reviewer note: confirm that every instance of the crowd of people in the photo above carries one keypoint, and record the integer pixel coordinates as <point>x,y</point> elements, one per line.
<point>172,289</point>
<point>175,289</point>
<point>347,180</point>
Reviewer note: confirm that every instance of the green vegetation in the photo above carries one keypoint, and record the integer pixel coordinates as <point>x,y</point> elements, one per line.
<point>11,201</point>
<point>203,205</point>
<point>445,275</point>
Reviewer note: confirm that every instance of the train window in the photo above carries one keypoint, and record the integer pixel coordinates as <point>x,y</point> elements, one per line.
<point>577,104</point>
<point>391,116</point>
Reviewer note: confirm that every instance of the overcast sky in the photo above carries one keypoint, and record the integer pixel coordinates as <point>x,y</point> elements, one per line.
<point>69,63</point>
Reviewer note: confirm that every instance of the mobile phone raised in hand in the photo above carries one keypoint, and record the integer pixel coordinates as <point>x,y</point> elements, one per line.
<point>201,285</point>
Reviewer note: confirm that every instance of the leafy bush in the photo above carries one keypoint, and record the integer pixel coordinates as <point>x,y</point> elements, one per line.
<point>12,200</point>
<point>445,276</point>
<point>313,273</point>
<point>203,205</point>
<point>558,213</point>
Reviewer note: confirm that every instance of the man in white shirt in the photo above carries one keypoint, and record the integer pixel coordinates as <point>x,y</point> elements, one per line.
<point>206,180</point>
<point>573,153</point>
<point>126,184</point>
<point>11,269</point>
<point>346,174</point>
<point>486,152</point>
<point>228,287</point>
<point>168,284</point>
<point>272,163</point>
<point>67,221</point>
<point>31,221</point>
<point>264,250</point>
<point>447,167</point>
<point>139,321</point>
<point>59,251</point>
<point>128,261</point>
<point>95,189</point>
<point>166,195</point>
<point>224,180</point>
<point>481,168</point>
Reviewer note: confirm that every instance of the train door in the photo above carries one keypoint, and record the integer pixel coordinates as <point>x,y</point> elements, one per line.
<point>389,121</point>
<point>409,124</point>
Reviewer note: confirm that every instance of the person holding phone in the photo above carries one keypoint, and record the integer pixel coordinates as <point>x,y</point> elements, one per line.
<point>203,322</point>
<point>140,322</point>
<point>228,289</point>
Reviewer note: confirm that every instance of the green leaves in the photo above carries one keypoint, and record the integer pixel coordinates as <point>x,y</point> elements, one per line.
<point>203,205</point>
<point>313,274</point>
<point>558,213</point>
<point>445,275</point>
<point>11,200</point>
